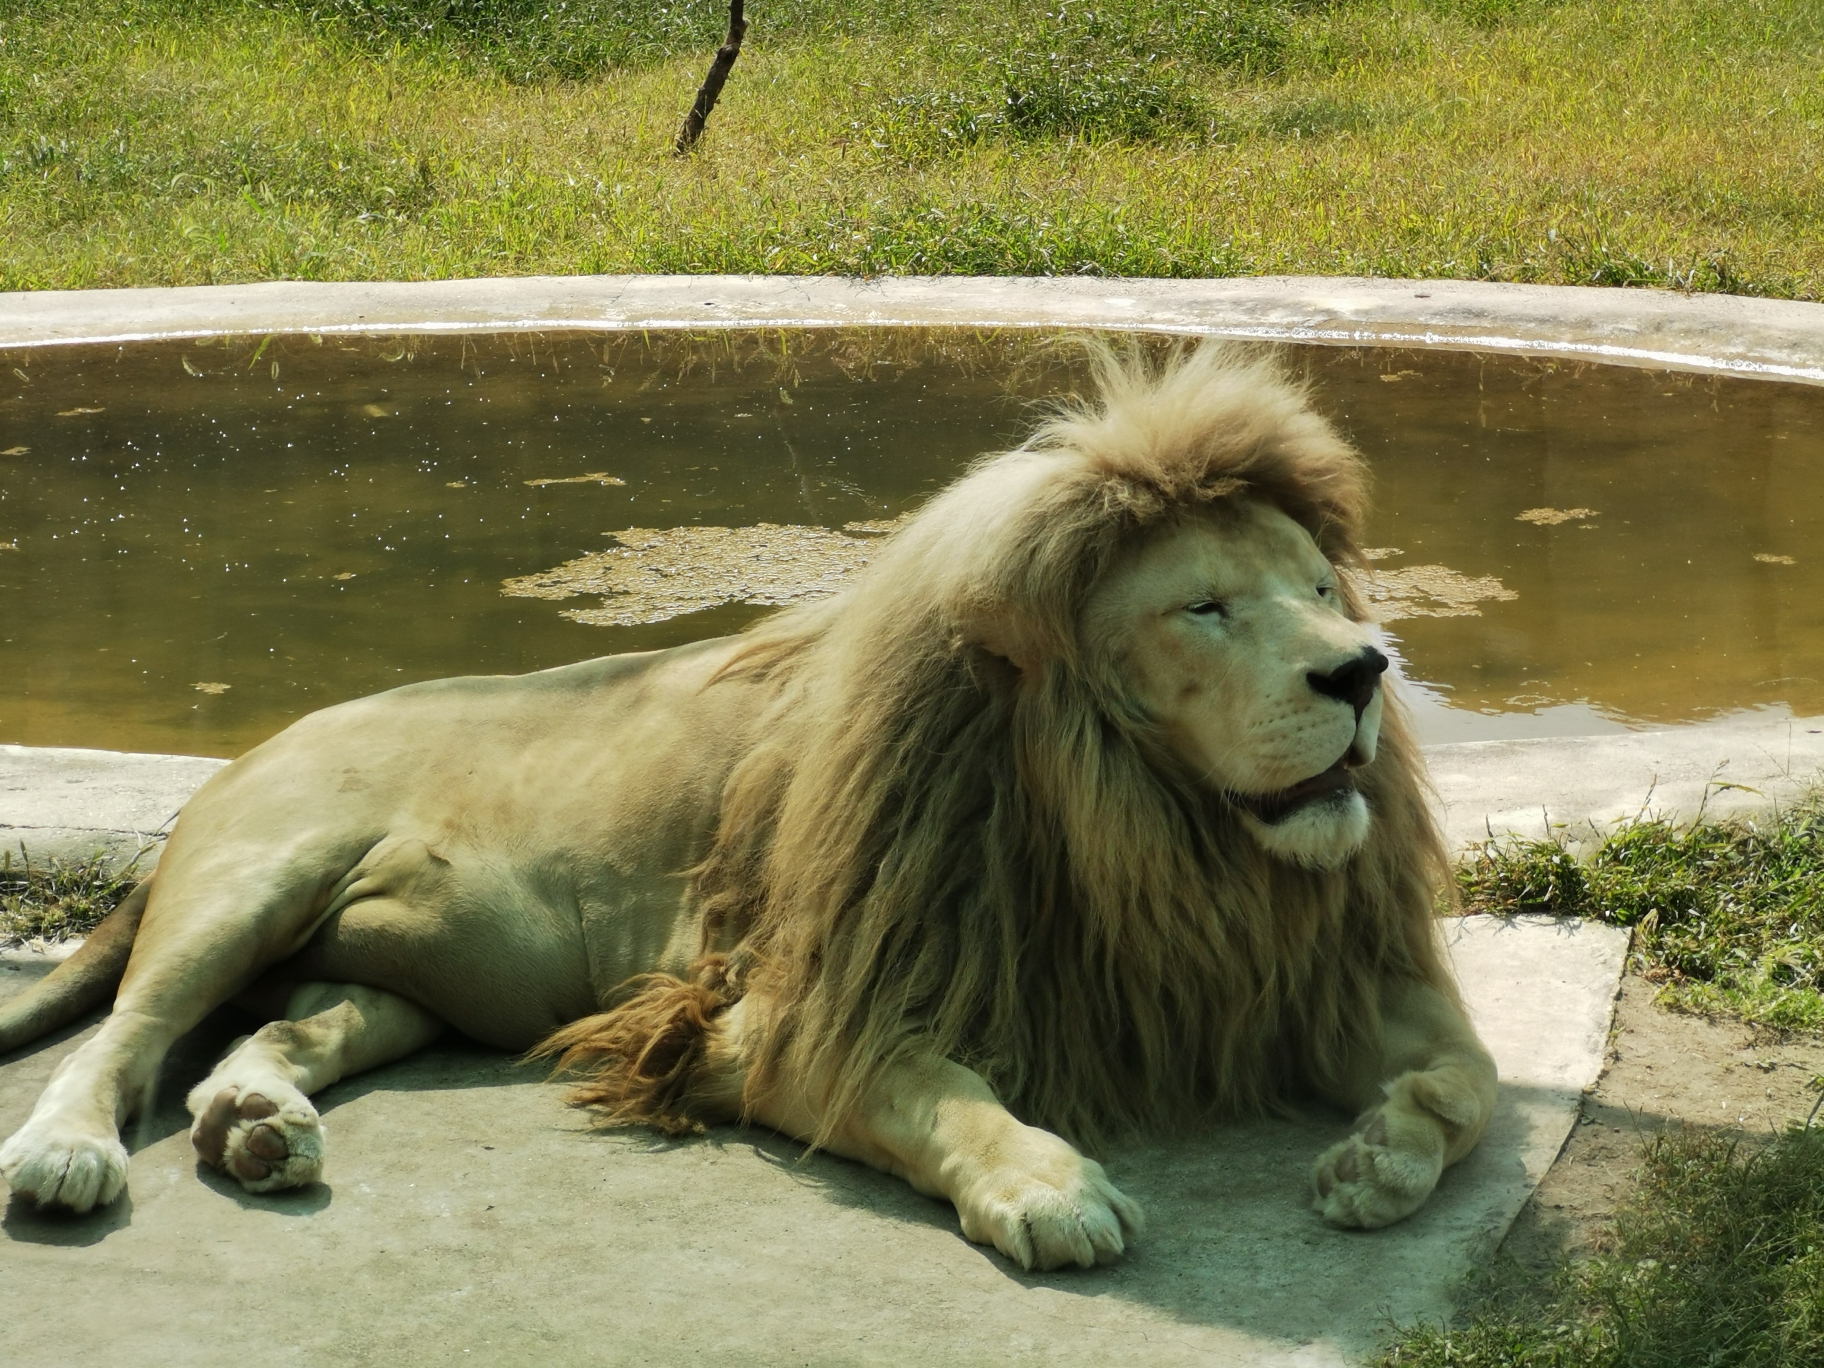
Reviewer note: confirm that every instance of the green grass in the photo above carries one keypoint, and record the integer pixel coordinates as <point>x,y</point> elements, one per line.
<point>1717,1262</point>
<point>1653,142</point>
<point>1726,916</point>
<point>54,900</point>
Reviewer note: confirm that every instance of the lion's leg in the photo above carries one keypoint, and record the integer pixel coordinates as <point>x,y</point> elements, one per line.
<point>253,1113</point>
<point>939,1126</point>
<point>214,920</point>
<point>1426,1088</point>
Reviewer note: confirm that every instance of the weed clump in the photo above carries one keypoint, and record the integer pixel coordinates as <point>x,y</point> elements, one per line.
<point>1125,69</point>
<point>1727,916</point>
<point>57,899</point>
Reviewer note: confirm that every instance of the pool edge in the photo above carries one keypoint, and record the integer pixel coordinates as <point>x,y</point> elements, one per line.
<point>1704,333</point>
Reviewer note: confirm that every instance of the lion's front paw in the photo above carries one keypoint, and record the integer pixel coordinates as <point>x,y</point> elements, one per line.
<point>1044,1205</point>
<point>266,1144</point>
<point>1379,1175</point>
<point>59,1164</point>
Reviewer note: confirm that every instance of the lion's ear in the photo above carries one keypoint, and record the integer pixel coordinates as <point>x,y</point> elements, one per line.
<point>1000,636</point>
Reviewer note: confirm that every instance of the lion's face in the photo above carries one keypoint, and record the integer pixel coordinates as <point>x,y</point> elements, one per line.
<point>1231,633</point>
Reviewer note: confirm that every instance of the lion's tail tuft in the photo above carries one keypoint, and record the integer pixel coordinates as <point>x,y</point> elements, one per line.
<point>641,1063</point>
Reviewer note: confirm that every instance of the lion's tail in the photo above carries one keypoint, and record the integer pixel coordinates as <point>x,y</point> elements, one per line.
<point>643,1062</point>
<point>80,983</point>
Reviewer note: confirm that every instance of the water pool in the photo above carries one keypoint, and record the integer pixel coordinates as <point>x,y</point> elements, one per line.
<point>204,540</point>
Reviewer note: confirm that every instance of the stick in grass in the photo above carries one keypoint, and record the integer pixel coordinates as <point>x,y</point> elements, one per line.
<point>711,89</point>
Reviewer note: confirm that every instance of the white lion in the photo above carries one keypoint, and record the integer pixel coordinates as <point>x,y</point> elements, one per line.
<point>1080,811</point>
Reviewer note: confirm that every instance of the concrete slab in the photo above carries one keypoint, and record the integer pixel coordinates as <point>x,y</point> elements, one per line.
<point>1774,339</point>
<point>470,1217</point>
<point>1579,787</point>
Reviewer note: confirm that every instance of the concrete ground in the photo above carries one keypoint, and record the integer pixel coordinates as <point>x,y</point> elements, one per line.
<point>1579,787</point>
<point>469,1214</point>
<point>69,804</point>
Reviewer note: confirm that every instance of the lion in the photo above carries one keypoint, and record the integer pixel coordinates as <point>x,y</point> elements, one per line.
<point>1080,812</point>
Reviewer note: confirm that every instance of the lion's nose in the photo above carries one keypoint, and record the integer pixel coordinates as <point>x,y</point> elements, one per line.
<point>1354,681</point>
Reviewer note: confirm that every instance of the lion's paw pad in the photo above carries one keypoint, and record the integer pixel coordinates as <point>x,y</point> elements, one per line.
<point>266,1145</point>
<point>1364,1184</point>
<point>59,1165</point>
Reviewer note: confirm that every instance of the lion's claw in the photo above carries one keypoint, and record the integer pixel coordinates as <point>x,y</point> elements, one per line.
<point>1057,1208</point>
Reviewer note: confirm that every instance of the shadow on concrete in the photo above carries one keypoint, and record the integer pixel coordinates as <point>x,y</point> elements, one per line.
<point>26,1223</point>
<point>848,1183</point>
<point>1232,1240</point>
<point>1232,1243</point>
<point>304,1201</point>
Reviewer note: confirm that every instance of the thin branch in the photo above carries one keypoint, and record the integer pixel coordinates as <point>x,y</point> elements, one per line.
<point>711,89</point>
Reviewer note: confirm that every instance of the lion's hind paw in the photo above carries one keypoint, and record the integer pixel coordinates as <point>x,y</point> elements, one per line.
<point>59,1166</point>
<point>266,1146</point>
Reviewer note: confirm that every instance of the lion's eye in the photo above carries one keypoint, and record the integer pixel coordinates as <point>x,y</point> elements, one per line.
<point>1207,608</point>
<point>1325,590</point>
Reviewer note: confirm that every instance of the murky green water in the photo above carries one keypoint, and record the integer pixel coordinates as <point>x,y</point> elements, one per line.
<point>205,541</point>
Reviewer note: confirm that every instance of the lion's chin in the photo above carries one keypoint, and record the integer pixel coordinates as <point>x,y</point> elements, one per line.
<point>1319,835</point>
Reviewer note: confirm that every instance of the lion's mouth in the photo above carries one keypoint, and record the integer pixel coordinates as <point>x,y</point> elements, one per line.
<point>1282,803</point>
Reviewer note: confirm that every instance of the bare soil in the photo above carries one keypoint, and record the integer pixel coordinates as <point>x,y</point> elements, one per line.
<point>1664,1069</point>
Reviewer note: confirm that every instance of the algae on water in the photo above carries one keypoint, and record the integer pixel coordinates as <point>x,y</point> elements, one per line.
<point>1431,591</point>
<point>654,574</point>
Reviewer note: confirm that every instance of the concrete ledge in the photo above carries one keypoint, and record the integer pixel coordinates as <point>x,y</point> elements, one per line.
<point>69,804</point>
<point>1726,334</point>
<point>1579,787</point>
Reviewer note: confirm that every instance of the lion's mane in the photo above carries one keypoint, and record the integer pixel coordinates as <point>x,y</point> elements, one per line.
<point>936,847</point>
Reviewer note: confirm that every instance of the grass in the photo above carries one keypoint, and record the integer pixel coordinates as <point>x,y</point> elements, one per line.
<point>1717,1262</point>
<point>1727,916</point>
<point>55,900</point>
<point>1652,142</point>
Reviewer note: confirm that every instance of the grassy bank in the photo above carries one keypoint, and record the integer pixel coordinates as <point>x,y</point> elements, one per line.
<point>1727,917</point>
<point>1669,142</point>
<point>1717,1262</point>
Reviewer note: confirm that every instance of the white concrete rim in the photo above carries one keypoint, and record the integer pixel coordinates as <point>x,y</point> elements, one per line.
<point>1727,335</point>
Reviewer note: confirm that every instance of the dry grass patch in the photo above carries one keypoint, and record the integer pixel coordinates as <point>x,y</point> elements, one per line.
<point>53,900</point>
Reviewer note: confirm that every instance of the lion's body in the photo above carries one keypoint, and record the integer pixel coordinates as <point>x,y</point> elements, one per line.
<point>1082,801</point>
<point>506,851</point>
